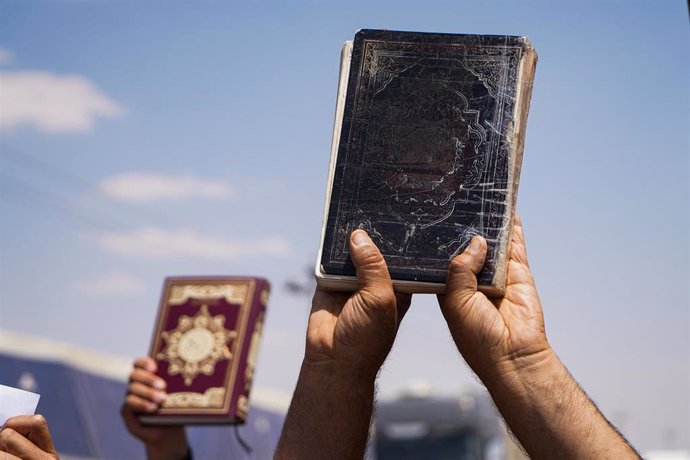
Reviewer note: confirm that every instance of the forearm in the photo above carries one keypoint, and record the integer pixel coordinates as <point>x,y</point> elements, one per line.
<point>329,415</point>
<point>550,414</point>
<point>173,445</point>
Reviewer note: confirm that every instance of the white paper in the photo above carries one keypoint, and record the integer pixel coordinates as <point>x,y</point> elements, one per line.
<point>14,401</point>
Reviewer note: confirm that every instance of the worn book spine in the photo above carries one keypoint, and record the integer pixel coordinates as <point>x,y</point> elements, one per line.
<point>205,344</point>
<point>427,148</point>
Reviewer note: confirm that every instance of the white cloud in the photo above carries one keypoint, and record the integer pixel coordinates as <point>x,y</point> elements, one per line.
<point>120,284</point>
<point>156,243</point>
<point>6,56</point>
<point>52,103</point>
<point>142,188</point>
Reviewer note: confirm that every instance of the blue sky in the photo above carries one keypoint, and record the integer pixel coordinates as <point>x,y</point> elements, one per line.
<point>233,105</point>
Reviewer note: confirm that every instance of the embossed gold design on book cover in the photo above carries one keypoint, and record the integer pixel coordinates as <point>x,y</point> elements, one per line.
<point>196,345</point>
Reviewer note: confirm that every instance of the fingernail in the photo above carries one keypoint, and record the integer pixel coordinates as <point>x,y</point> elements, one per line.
<point>151,407</point>
<point>474,247</point>
<point>360,238</point>
<point>159,397</point>
<point>160,384</point>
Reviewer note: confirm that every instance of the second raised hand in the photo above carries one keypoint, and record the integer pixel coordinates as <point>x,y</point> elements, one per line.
<point>494,334</point>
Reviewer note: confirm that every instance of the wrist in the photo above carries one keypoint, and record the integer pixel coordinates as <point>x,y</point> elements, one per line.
<point>329,414</point>
<point>520,373</point>
<point>549,413</point>
<point>337,374</point>
<point>166,453</point>
<point>172,446</point>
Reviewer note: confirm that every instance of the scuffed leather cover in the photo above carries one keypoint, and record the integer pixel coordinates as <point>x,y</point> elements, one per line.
<point>430,151</point>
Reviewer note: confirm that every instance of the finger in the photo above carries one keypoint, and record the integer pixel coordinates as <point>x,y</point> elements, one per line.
<point>519,275</point>
<point>136,404</point>
<point>34,428</point>
<point>372,272</point>
<point>147,393</point>
<point>518,250</point>
<point>6,456</point>
<point>146,363</point>
<point>463,269</point>
<point>461,282</point>
<point>14,443</point>
<point>147,378</point>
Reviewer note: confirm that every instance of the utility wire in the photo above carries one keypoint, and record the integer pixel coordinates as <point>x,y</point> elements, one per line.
<point>32,197</point>
<point>30,162</point>
<point>29,196</point>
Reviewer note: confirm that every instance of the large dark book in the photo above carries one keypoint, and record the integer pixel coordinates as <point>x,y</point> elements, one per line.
<point>427,149</point>
<point>205,344</point>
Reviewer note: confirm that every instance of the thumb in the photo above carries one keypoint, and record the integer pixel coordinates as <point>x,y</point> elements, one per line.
<point>372,272</point>
<point>461,283</point>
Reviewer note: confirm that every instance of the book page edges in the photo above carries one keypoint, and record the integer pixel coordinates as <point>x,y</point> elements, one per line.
<point>523,97</point>
<point>345,57</point>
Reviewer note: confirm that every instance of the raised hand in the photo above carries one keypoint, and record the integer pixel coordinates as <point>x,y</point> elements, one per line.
<point>494,335</point>
<point>356,330</point>
<point>349,336</point>
<point>145,394</point>
<point>504,341</point>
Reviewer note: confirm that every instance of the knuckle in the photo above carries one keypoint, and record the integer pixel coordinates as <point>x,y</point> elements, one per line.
<point>6,435</point>
<point>458,267</point>
<point>143,362</point>
<point>388,299</point>
<point>370,256</point>
<point>381,300</point>
<point>141,390</point>
<point>137,375</point>
<point>11,421</point>
<point>39,420</point>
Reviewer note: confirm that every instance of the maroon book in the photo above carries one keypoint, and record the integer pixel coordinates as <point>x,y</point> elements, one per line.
<point>205,344</point>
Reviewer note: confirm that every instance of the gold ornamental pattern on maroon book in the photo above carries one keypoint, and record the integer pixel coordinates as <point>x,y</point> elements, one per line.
<point>206,343</point>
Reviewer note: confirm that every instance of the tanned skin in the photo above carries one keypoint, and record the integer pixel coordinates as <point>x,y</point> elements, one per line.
<point>349,336</point>
<point>145,394</point>
<point>503,340</point>
<point>26,437</point>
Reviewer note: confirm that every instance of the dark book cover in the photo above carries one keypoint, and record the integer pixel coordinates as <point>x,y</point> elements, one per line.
<point>205,345</point>
<point>427,152</point>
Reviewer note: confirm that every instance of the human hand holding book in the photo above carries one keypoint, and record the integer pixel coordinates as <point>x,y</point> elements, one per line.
<point>145,394</point>
<point>504,342</point>
<point>349,336</point>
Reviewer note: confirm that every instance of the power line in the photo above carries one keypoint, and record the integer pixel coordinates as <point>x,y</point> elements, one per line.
<point>30,162</point>
<point>33,197</point>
